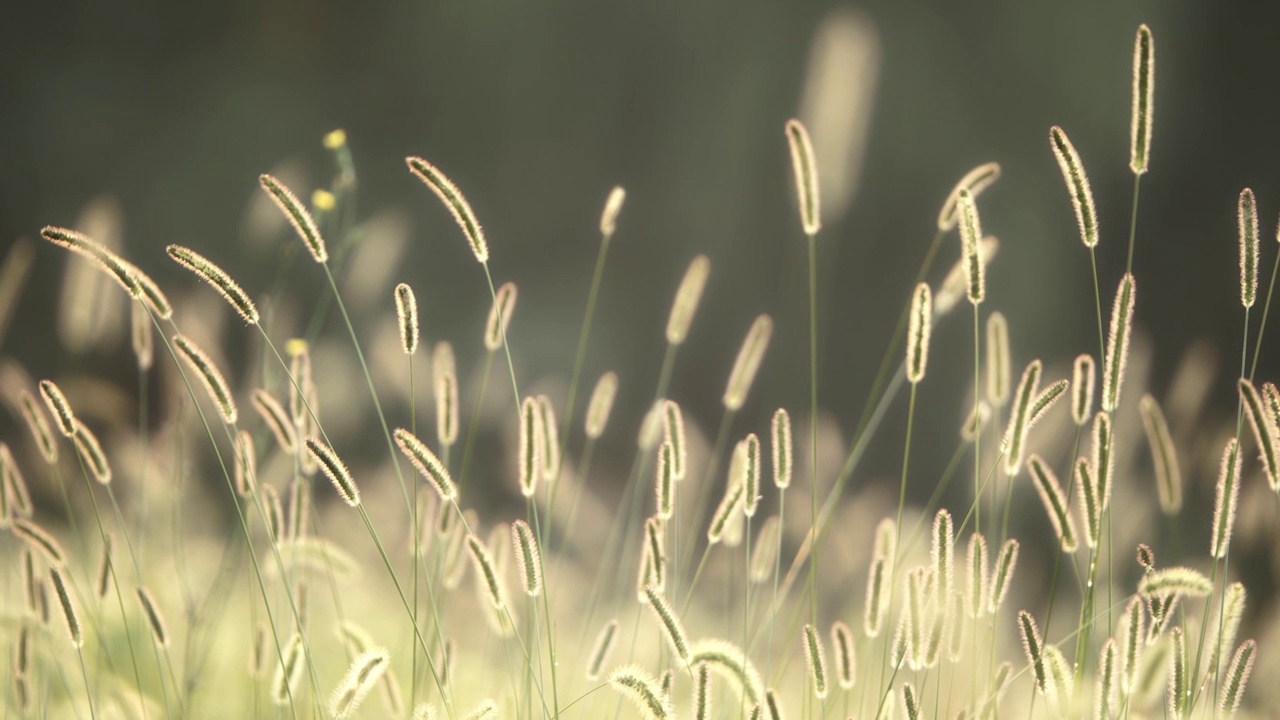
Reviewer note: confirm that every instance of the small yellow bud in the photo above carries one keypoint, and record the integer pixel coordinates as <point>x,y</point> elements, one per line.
<point>335,139</point>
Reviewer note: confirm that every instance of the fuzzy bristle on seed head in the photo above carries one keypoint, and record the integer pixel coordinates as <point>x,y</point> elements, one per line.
<point>971,256</point>
<point>1264,430</point>
<point>671,625</point>
<point>297,214</point>
<point>975,593</point>
<point>1077,185</point>
<point>942,551</point>
<point>486,574</point>
<point>998,372</point>
<point>601,405</point>
<point>688,297</point>
<point>612,207</point>
<point>750,355</point>
<point>1144,85</point>
<point>210,376</point>
<point>1118,343</point>
<point>526,547</point>
<point>805,169</point>
<point>453,199</point>
<point>504,306</point>
<point>407,317</point>
<point>919,327</point>
<point>1226,497</point>
<point>665,481</point>
<point>1034,648</point>
<point>1082,380</point>
<point>1247,221</point>
<point>218,279</point>
<point>1178,581</point>
<point>335,469</point>
<point>427,464</point>
<point>975,181</point>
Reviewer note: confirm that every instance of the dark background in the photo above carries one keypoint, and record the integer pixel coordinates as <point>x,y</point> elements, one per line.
<point>537,108</point>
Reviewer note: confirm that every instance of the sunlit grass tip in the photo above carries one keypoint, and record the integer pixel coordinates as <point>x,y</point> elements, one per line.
<point>1144,85</point>
<point>335,470</point>
<point>453,199</point>
<point>298,216</point>
<point>688,297</point>
<point>218,279</point>
<point>805,169</point>
<point>750,355</point>
<point>1077,185</point>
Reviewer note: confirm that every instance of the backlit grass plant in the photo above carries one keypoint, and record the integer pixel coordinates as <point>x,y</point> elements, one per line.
<point>698,594</point>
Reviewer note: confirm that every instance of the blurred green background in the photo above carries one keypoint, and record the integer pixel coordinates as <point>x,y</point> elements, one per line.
<point>536,109</point>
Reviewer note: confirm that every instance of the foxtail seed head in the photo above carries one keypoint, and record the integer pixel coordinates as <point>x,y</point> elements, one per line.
<point>530,446</point>
<point>454,201</point>
<point>638,686</point>
<point>673,428</point>
<point>526,547</point>
<point>298,216</point>
<point>612,207</point>
<point>1164,455</point>
<point>1001,576</point>
<point>1264,430</point>
<point>671,625</point>
<point>444,374</point>
<point>59,407</point>
<point>601,404</point>
<point>975,181</point>
<point>665,480</point>
<point>38,426</point>
<point>1019,421</point>
<point>918,329</point>
<point>90,451</point>
<point>780,436</point>
<point>159,632</point>
<point>970,247</point>
<point>429,466</point>
<point>816,660</point>
<point>1247,221</point>
<point>1237,677</point>
<point>218,279</point>
<point>806,175</point>
<point>121,271</point>
<point>998,372</point>
<point>688,296</point>
<point>1077,185</point>
<point>1083,374</point>
<point>504,306</point>
<point>1144,87</point>
<point>407,317</point>
<point>276,419</point>
<point>748,362</point>
<point>846,659</point>
<point>365,671</point>
<point>1055,502</point>
<point>1225,499</point>
<point>68,609</point>
<point>335,469</point>
<point>210,376</point>
<point>549,433</point>
<point>1118,343</point>
<point>601,649</point>
<point>750,474</point>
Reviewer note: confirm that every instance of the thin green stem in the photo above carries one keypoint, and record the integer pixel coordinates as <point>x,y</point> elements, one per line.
<point>813,421</point>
